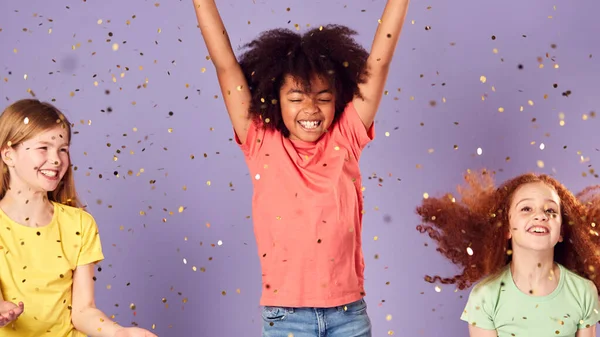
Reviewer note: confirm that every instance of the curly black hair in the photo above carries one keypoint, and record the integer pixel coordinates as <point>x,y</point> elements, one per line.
<point>328,51</point>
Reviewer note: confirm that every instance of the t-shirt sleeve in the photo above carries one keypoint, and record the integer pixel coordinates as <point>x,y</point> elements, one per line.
<point>479,309</point>
<point>254,139</point>
<point>591,310</point>
<point>353,128</point>
<point>91,248</point>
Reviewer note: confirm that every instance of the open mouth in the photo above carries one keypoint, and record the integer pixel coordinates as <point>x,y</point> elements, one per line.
<point>308,125</point>
<point>49,173</point>
<point>538,230</point>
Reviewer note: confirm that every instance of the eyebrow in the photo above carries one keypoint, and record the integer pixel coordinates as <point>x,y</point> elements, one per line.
<point>43,142</point>
<point>298,91</point>
<point>529,199</point>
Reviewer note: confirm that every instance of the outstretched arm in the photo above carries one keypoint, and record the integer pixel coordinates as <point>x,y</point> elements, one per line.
<point>9,311</point>
<point>234,87</point>
<point>379,60</point>
<point>86,317</point>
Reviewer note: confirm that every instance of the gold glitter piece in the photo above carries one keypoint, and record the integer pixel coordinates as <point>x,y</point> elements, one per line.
<point>115,46</point>
<point>208,183</point>
<point>132,306</point>
<point>500,109</point>
<point>99,21</point>
<point>438,289</point>
<point>388,318</point>
<point>469,251</point>
<point>387,134</point>
<point>425,195</point>
<point>540,164</point>
<point>483,79</point>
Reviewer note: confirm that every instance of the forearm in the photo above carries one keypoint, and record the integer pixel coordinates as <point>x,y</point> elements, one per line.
<point>214,34</point>
<point>388,33</point>
<point>94,323</point>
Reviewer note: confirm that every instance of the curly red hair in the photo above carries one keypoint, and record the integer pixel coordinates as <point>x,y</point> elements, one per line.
<point>479,221</point>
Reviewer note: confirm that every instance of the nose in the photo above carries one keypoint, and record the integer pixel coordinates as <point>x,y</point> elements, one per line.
<point>54,159</point>
<point>311,106</point>
<point>541,216</point>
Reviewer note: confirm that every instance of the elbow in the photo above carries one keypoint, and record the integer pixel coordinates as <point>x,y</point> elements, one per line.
<point>79,313</point>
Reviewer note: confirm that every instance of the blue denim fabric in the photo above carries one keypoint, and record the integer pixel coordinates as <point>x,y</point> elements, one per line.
<point>349,320</point>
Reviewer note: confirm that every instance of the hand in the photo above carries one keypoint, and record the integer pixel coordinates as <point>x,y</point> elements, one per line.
<point>9,312</point>
<point>134,332</point>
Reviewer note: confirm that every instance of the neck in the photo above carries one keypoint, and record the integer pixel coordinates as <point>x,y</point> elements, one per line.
<point>27,207</point>
<point>533,268</point>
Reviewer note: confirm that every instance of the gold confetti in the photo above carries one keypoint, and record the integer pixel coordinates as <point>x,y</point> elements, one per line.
<point>115,46</point>
<point>387,134</point>
<point>425,195</point>
<point>99,21</point>
<point>388,318</point>
<point>483,79</point>
<point>469,251</point>
<point>500,109</point>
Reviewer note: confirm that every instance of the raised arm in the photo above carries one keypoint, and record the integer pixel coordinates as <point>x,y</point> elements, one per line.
<point>380,58</point>
<point>234,87</point>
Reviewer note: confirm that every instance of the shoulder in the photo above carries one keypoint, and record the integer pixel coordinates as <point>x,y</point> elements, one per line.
<point>74,215</point>
<point>576,281</point>
<point>490,287</point>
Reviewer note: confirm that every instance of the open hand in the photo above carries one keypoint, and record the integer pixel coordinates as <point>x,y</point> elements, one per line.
<point>9,312</point>
<point>134,332</point>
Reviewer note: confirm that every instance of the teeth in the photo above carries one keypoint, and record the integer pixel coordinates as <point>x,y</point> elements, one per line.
<point>310,124</point>
<point>48,173</point>
<point>538,230</point>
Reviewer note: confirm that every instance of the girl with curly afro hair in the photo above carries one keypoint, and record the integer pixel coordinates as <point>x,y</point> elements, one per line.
<point>302,107</point>
<point>532,247</point>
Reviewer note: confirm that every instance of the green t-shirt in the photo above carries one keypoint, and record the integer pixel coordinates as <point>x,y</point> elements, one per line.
<point>499,305</point>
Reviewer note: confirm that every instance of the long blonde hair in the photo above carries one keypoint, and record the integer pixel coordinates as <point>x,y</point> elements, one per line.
<point>23,120</point>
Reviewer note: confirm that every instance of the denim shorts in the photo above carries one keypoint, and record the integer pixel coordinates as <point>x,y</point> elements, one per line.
<point>350,320</point>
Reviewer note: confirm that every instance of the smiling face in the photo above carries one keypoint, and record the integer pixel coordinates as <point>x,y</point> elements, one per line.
<point>39,163</point>
<point>534,217</point>
<point>307,115</point>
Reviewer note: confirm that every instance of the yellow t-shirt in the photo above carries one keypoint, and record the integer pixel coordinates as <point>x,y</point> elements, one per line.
<point>36,268</point>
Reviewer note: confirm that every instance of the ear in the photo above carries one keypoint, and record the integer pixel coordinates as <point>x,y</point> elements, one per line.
<point>509,235</point>
<point>6,152</point>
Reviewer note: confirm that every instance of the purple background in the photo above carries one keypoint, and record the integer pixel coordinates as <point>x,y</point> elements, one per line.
<point>434,102</point>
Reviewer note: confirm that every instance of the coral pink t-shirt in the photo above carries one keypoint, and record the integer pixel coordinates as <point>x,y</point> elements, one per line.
<point>307,208</point>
